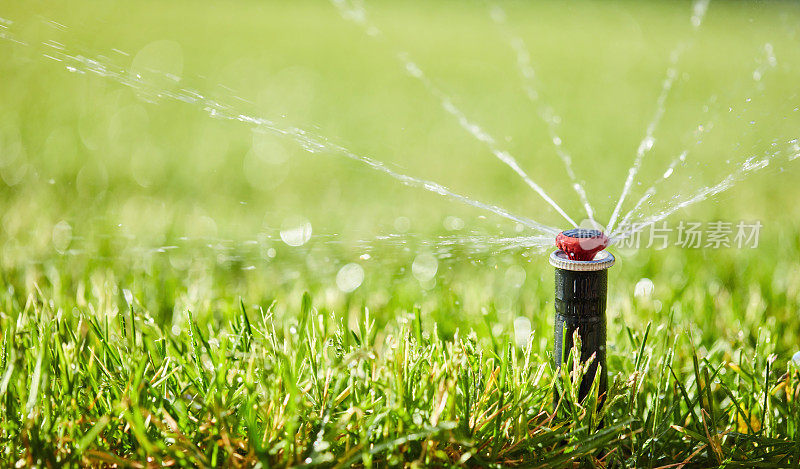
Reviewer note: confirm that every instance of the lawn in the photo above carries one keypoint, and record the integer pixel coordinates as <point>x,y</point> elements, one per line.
<point>181,288</point>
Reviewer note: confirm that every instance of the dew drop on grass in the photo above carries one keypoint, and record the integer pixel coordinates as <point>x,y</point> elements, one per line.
<point>796,357</point>
<point>424,267</point>
<point>295,231</point>
<point>349,277</point>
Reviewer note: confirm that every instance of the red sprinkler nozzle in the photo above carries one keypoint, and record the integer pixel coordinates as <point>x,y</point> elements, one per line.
<point>581,244</point>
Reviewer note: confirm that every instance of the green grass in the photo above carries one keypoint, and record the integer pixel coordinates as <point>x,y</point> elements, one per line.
<point>151,314</point>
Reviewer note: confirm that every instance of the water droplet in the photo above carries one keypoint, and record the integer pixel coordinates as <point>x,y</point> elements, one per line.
<point>128,296</point>
<point>414,70</point>
<point>497,329</point>
<point>515,276</point>
<point>62,236</point>
<point>349,277</point>
<point>160,62</point>
<point>771,59</point>
<point>295,231</point>
<point>268,149</point>
<point>498,14</point>
<point>644,288</point>
<point>452,223</point>
<point>402,224</point>
<point>646,144</point>
<point>424,267</point>
<point>522,331</point>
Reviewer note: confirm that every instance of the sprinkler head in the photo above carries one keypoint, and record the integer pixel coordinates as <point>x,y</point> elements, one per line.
<point>581,244</point>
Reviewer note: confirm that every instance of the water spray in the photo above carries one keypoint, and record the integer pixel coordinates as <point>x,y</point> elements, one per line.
<point>580,301</point>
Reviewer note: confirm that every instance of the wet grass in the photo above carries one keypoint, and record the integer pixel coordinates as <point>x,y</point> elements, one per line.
<point>101,379</point>
<point>152,315</point>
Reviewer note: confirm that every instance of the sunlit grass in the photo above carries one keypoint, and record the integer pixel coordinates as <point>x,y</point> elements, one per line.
<point>152,312</point>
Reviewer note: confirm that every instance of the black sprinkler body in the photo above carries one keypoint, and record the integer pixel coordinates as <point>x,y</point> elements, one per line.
<point>580,305</point>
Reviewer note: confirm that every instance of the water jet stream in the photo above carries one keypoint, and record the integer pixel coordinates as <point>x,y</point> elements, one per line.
<point>769,61</point>
<point>750,165</point>
<point>698,13</point>
<point>79,63</point>
<point>545,112</point>
<point>354,11</point>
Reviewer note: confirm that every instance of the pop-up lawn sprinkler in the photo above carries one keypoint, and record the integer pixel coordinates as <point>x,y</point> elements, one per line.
<point>580,300</point>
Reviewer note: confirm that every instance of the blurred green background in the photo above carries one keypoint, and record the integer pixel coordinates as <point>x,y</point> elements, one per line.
<point>104,189</point>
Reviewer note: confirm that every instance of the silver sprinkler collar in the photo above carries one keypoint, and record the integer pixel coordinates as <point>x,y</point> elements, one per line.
<point>602,261</point>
